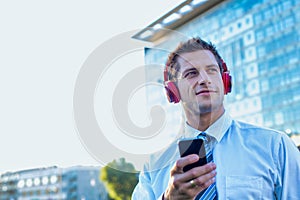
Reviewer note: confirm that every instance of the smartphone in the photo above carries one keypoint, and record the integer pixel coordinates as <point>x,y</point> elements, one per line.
<point>193,146</point>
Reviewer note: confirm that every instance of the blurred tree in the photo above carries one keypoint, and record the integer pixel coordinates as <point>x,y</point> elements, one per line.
<point>120,179</point>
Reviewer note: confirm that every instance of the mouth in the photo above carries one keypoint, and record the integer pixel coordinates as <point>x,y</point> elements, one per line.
<point>204,92</point>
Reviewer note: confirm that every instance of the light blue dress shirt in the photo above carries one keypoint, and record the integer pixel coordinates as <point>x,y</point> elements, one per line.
<point>252,163</point>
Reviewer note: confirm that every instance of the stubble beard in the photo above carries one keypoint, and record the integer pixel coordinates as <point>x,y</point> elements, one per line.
<point>196,108</point>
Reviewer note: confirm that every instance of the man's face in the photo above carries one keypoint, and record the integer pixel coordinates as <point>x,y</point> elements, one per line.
<point>200,82</point>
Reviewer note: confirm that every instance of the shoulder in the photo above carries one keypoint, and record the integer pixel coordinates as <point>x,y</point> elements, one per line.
<point>258,133</point>
<point>264,134</point>
<point>258,136</point>
<point>251,128</point>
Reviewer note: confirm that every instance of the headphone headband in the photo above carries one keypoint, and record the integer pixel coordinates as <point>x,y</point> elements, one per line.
<point>224,66</point>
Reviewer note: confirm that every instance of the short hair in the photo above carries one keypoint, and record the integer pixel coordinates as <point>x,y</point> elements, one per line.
<point>191,45</point>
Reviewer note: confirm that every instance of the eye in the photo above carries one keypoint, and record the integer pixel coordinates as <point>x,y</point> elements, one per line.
<point>212,70</point>
<point>190,74</point>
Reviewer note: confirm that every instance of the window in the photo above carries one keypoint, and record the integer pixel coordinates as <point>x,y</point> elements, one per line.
<point>239,25</point>
<point>254,102</point>
<point>247,20</point>
<point>251,71</point>
<point>251,68</point>
<point>279,119</point>
<point>258,18</point>
<point>286,5</point>
<point>268,13</point>
<point>260,35</point>
<point>270,30</point>
<point>252,87</point>
<point>268,118</point>
<point>264,85</point>
<point>239,12</point>
<point>249,36</point>
<point>261,51</point>
<point>278,8</point>
<point>289,21</point>
<point>250,54</point>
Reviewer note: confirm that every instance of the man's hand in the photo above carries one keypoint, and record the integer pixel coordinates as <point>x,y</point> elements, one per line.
<point>186,185</point>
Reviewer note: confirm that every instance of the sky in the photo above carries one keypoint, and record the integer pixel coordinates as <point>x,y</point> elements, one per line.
<point>43,45</point>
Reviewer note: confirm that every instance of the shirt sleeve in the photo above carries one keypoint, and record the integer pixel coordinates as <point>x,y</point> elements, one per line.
<point>144,188</point>
<point>288,165</point>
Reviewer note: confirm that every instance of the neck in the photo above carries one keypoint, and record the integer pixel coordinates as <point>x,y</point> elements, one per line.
<point>202,121</point>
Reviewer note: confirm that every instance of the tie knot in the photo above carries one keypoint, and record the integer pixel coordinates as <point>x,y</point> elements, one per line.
<point>202,135</point>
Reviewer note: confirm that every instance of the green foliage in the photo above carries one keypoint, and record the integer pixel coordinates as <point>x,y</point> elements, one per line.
<point>120,178</point>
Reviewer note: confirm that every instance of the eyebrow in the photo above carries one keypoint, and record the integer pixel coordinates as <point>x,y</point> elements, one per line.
<point>188,69</point>
<point>212,65</point>
<point>207,66</point>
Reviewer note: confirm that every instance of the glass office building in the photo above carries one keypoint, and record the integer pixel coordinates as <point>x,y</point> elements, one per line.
<point>73,183</point>
<point>259,41</point>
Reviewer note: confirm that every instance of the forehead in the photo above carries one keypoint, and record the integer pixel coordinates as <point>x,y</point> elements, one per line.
<point>198,58</point>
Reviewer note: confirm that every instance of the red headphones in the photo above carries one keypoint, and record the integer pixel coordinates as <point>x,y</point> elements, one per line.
<point>173,93</point>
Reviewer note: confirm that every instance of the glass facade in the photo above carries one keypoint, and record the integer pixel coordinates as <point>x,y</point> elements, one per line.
<point>74,183</point>
<point>259,40</point>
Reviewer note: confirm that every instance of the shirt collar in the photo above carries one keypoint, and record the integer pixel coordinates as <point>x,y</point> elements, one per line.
<point>216,130</point>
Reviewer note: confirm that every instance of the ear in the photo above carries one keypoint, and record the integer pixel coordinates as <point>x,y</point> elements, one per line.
<point>172,92</point>
<point>226,82</point>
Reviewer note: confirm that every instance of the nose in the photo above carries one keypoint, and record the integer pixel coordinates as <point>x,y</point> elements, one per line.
<point>203,78</point>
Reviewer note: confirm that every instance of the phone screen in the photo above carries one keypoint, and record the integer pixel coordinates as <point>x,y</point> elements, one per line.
<point>193,146</point>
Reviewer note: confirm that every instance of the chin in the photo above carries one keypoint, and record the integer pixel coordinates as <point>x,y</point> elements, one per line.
<point>197,109</point>
<point>204,110</point>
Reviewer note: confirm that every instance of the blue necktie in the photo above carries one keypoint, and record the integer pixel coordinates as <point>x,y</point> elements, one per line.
<point>209,193</point>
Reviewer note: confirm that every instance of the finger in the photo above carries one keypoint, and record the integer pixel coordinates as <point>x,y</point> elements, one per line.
<point>199,171</point>
<point>205,180</point>
<point>192,189</point>
<point>193,183</point>
<point>182,162</point>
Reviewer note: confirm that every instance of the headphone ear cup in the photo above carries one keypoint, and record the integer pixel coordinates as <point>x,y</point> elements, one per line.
<point>227,82</point>
<point>172,92</point>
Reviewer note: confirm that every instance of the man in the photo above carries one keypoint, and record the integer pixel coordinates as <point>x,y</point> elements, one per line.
<point>249,162</point>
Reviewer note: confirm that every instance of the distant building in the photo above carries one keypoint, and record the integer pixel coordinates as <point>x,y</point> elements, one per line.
<point>8,186</point>
<point>260,42</point>
<point>75,183</point>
